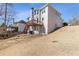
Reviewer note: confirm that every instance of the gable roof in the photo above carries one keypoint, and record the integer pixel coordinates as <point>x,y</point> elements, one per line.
<point>44,6</point>
<point>21,21</point>
<point>15,23</point>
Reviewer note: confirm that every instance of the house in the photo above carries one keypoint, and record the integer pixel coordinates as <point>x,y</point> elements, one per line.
<point>43,20</point>
<point>19,26</point>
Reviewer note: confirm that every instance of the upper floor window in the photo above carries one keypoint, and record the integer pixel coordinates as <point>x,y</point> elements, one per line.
<point>43,11</point>
<point>35,12</point>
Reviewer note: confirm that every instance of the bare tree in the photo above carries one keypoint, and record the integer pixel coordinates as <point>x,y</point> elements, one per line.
<point>7,13</point>
<point>74,21</point>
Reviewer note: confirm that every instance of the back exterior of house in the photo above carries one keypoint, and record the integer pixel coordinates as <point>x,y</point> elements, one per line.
<point>46,19</point>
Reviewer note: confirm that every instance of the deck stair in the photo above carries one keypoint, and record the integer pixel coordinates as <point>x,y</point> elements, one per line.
<point>32,23</point>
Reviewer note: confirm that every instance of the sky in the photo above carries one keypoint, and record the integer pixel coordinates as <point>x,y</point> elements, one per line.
<point>23,10</point>
<point>67,10</point>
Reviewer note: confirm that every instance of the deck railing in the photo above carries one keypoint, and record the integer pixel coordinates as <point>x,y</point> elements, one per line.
<point>37,22</point>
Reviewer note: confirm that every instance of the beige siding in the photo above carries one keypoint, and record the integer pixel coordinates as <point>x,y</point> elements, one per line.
<point>54,20</point>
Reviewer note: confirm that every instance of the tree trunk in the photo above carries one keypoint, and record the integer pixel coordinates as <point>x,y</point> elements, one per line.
<point>5,17</point>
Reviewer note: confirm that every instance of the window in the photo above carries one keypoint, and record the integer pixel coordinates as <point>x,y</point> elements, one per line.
<point>35,28</point>
<point>35,12</point>
<point>37,20</point>
<point>43,11</point>
<point>42,18</point>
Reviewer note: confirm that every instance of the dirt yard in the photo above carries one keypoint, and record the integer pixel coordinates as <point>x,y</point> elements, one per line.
<point>64,41</point>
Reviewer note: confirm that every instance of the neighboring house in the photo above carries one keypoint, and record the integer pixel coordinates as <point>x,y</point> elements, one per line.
<point>20,25</point>
<point>43,20</point>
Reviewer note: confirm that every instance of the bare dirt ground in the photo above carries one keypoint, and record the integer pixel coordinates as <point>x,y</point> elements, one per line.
<point>64,41</point>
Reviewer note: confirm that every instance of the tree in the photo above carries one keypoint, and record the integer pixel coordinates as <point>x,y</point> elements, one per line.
<point>74,21</point>
<point>6,12</point>
<point>2,25</point>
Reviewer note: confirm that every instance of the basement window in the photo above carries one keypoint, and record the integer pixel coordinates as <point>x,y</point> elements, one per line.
<point>37,20</point>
